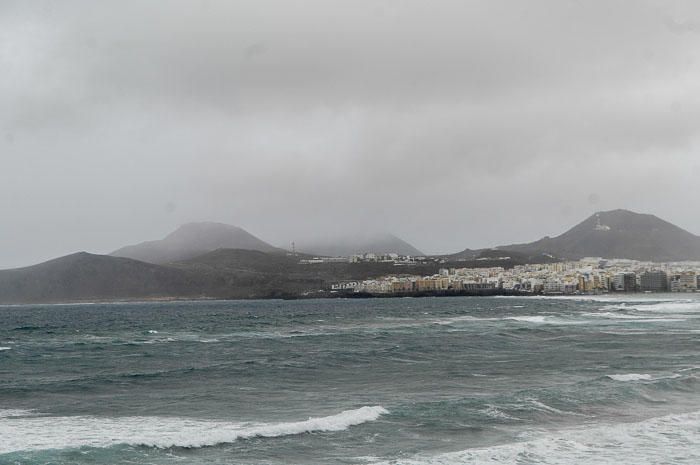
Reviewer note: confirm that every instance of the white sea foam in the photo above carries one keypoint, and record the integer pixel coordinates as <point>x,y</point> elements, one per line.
<point>528,403</point>
<point>459,319</point>
<point>672,439</point>
<point>630,377</point>
<point>621,298</point>
<point>542,406</point>
<point>634,318</point>
<point>159,338</point>
<point>528,319</point>
<point>613,315</point>
<point>493,412</point>
<point>629,309</point>
<point>642,377</point>
<point>523,318</point>
<point>5,348</point>
<point>44,432</point>
<point>688,306</point>
<point>14,412</point>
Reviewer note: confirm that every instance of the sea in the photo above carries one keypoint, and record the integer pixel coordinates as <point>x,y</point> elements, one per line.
<point>415,381</point>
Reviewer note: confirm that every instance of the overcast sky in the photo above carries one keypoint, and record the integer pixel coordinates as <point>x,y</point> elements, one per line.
<point>452,124</point>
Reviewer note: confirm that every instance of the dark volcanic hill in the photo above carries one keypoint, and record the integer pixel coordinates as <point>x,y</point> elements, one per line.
<point>221,274</point>
<point>618,234</point>
<point>370,243</point>
<point>83,277</point>
<point>194,239</point>
<point>224,274</point>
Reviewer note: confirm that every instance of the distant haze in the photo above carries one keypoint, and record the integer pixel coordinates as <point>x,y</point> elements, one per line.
<point>450,124</point>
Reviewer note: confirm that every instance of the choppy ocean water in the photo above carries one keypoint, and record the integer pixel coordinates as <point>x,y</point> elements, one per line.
<point>384,381</point>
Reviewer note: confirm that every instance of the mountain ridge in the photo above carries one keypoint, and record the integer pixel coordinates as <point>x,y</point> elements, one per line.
<point>220,274</point>
<point>234,273</point>
<point>616,234</point>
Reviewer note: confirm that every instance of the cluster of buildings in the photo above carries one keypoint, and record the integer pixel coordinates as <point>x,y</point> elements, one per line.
<point>371,257</point>
<point>586,276</point>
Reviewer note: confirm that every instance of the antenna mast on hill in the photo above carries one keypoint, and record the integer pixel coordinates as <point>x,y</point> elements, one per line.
<point>599,226</point>
<point>294,250</point>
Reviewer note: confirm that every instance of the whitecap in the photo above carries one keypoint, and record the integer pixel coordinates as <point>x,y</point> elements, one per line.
<point>614,315</point>
<point>668,439</point>
<point>5,348</point>
<point>41,433</point>
<point>14,412</point>
<point>547,408</point>
<point>630,377</point>
<point>634,318</point>
<point>641,377</point>
<point>528,319</point>
<point>493,412</point>
<point>666,306</point>
<point>459,319</point>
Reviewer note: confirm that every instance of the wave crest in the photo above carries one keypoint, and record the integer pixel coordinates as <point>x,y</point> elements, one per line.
<point>630,377</point>
<point>40,433</point>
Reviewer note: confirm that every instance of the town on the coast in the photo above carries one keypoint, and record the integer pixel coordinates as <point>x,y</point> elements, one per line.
<point>591,275</point>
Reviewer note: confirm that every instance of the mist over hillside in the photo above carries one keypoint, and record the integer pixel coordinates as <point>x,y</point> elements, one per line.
<point>343,246</point>
<point>194,239</point>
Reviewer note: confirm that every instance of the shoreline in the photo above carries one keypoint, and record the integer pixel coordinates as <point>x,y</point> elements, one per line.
<point>323,295</point>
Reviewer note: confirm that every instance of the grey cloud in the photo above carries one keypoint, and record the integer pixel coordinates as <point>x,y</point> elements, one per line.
<point>452,124</point>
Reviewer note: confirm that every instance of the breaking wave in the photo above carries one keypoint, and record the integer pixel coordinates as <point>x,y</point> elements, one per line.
<point>20,433</point>
<point>528,319</point>
<point>676,306</point>
<point>671,439</point>
<point>535,319</point>
<point>630,377</point>
<point>640,377</point>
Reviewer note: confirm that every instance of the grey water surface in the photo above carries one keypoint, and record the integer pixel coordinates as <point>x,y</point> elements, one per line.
<point>403,381</point>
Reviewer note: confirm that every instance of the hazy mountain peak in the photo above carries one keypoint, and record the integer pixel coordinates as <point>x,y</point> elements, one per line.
<point>192,239</point>
<point>204,231</point>
<point>618,234</point>
<point>369,242</point>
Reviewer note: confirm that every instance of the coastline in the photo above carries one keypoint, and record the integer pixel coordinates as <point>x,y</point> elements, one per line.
<point>319,296</point>
<point>279,296</point>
